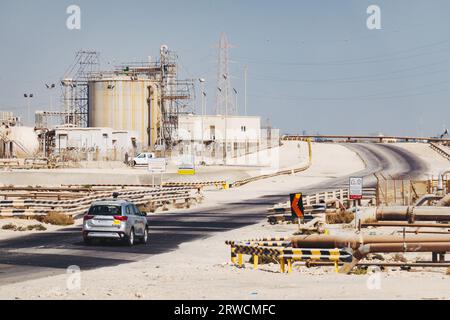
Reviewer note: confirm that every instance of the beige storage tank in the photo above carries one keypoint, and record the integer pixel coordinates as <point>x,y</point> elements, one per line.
<point>26,141</point>
<point>123,103</point>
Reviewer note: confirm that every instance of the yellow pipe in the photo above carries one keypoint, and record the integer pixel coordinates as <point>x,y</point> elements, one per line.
<point>154,114</point>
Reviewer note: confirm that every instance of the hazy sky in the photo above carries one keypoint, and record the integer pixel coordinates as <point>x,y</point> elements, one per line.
<point>313,65</point>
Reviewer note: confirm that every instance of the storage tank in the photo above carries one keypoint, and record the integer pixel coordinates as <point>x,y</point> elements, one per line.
<point>124,103</point>
<point>26,142</point>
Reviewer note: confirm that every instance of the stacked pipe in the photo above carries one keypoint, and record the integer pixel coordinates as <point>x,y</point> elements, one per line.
<point>365,244</point>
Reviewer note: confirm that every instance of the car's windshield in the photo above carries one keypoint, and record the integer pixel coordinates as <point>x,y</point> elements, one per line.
<point>105,210</point>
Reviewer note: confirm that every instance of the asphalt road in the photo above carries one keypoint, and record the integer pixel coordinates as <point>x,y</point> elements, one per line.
<point>44,254</point>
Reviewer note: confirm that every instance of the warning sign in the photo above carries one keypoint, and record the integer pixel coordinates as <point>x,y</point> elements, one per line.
<point>355,190</point>
<point>297,205</point>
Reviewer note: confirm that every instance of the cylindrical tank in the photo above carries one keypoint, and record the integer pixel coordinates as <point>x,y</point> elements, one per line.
<point>26,142</point>
<point>123,103</point>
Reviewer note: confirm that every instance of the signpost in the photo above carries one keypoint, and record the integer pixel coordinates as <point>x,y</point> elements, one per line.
<point>156,165</point>
<point>355,190</point>
<point>298,210</point>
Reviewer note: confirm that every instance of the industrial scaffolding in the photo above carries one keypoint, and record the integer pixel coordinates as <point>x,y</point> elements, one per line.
<point>177,95</point>
<point>75,88</point>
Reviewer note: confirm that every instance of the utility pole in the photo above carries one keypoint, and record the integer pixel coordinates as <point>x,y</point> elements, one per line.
<point>226,121</point>
<point>202,82</point>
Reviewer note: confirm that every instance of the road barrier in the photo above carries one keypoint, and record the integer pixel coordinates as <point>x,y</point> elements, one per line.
<point>155,197</point>
<point>441,150</point>
<point>281,212</point>
<point>281,251</point>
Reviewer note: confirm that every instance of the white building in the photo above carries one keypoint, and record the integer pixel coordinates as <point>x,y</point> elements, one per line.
<point>96,143</point>
<point>216,139</point>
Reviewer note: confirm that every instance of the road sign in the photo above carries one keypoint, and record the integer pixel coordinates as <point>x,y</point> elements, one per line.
<point>355,188</point>
<point>297,205</point>
<point>157,165</point>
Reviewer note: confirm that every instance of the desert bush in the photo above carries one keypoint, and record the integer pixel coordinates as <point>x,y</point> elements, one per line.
<point>340,217</point>
<point>57,219</point>
<point>37,227</point>
<point>9,226</point>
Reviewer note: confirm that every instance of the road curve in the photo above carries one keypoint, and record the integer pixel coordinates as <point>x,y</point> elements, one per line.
<point>44,254</point>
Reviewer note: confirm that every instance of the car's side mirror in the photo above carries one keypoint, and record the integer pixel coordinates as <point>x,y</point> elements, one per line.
<point>144,214</point>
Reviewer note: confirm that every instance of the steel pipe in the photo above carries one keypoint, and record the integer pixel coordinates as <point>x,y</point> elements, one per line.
<point>445,201</point>
<point>404,224</point>
<point>411,214</point>
<point>365,249</point>
<point>355,241</point>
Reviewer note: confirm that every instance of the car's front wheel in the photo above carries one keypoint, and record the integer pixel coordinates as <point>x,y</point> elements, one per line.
<point>132,163</point>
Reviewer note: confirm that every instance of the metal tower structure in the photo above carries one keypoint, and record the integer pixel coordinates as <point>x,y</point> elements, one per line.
<point>224,105</point>
<point>176,97</point>
<point>75,87</point>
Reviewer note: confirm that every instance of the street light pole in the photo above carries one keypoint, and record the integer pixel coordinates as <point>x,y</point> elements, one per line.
<point>226,121</point>
<point>28,97</point>
<point>50,87</point>
<point>202,82</point>
<point>236,100</point>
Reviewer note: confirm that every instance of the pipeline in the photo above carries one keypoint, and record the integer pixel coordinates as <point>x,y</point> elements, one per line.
<point>364,250</point>
<point>404,224</point>
<point>445,201</point>
<point>425,198</point>
<point>356,241</point>
<point>405,213</point>
<point>411,214</point>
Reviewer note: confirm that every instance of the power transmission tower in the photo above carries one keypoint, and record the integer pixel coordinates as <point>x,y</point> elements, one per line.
<point>224,105</point>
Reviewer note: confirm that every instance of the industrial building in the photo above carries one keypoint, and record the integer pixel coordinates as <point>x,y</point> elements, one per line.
<point>141,97</point>
<point>218,139</point>
<point>95,143</point>
<point>143,106</point>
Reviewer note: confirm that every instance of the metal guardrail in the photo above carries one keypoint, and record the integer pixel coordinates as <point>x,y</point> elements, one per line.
<point>443,152</point>
<point>36,207</point>
<point>280,250</point>
<point>281,212</point>
<point>323,197</point>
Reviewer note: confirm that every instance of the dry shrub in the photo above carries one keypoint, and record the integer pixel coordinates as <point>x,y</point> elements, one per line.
<point>340,217</point>
<point>57,219</point>
<point>398,257</point>
<point>359,271</point>
<point>148,207</point>
<point>9,226</point>
<point>37,227</point>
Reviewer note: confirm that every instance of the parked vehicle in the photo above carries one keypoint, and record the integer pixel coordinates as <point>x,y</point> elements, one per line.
<point>142,159</point>
<point>115,219</point>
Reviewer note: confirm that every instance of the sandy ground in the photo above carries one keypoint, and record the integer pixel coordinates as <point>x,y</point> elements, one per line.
<point>8,234</point>
<point>202,269</point>
<point>436,162</point>
<point>290,155</point>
